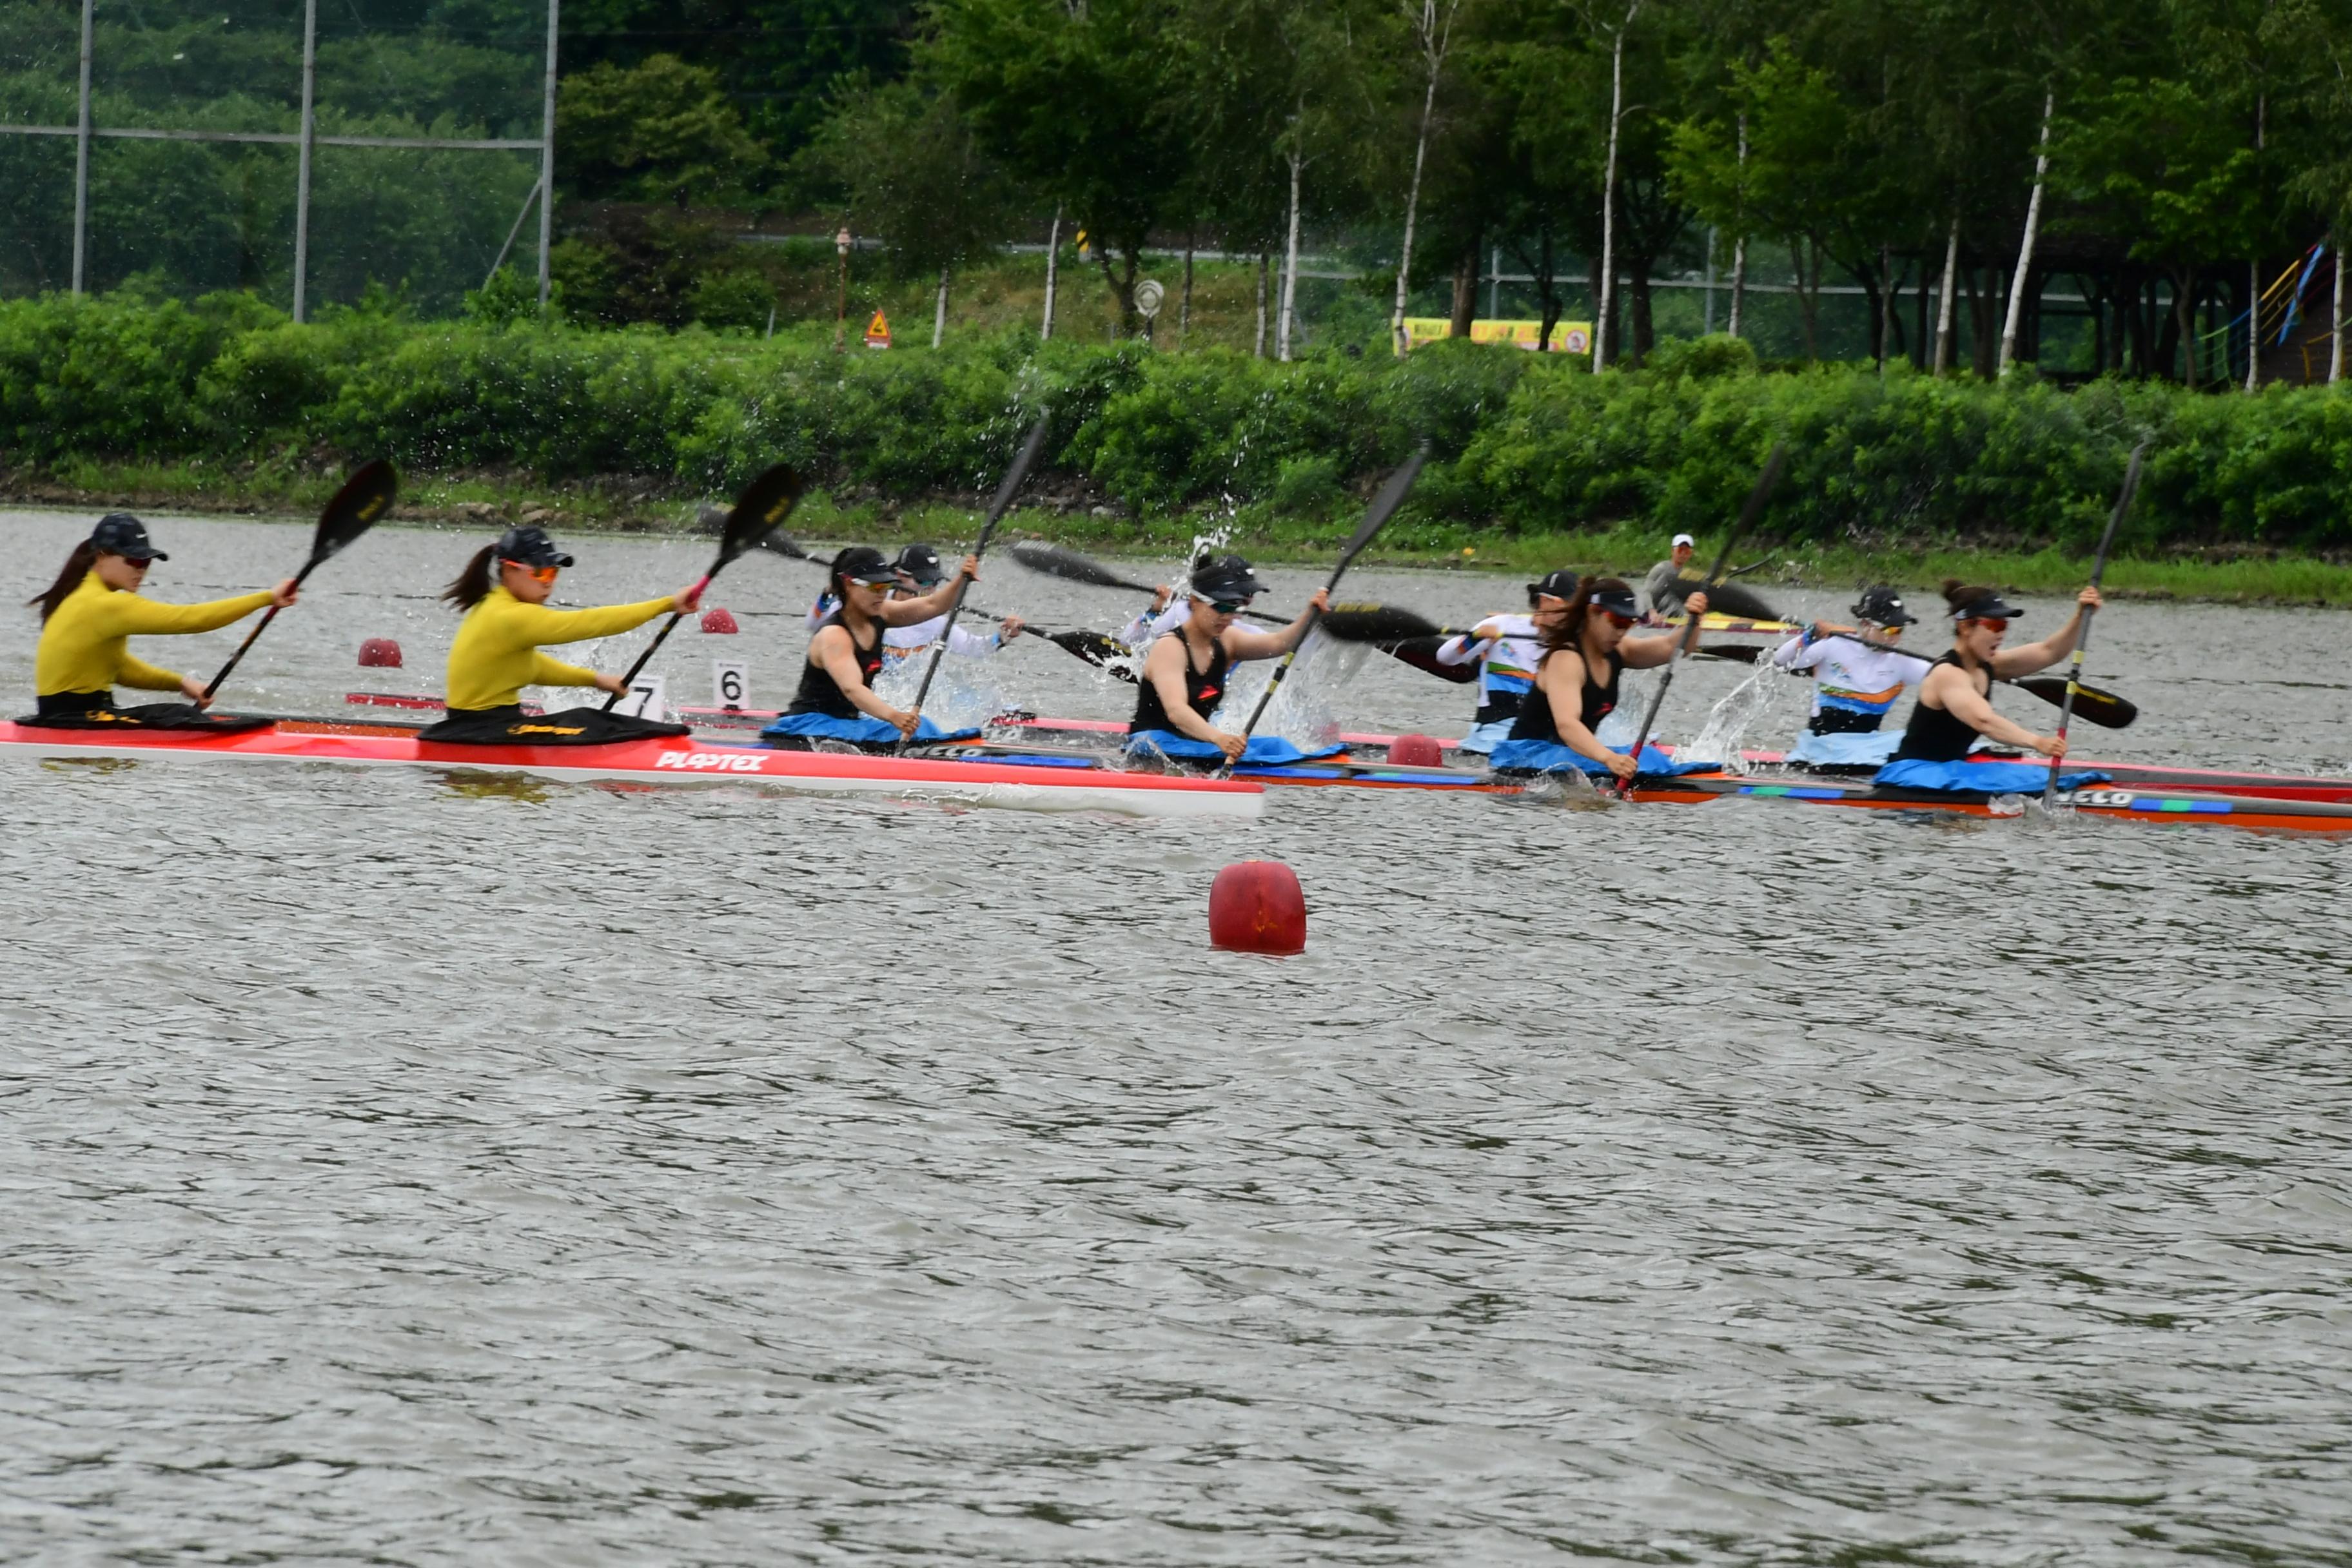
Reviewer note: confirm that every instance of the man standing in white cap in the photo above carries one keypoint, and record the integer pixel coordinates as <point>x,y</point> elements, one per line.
<point>1662,587</point>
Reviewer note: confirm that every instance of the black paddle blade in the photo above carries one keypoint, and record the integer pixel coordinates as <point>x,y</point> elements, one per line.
<point>1099,648</point>
<point>366,496</point>
<point>1376,624</point>
<point>1057,561</point>
<point>1727,599</point>
<point>2091,704</point>
<point>765,502</point>
<point>1384,506</point>
<point>783,545</point>
<point>1422,654</point>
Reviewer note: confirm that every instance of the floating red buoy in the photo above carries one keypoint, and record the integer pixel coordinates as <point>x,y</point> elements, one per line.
<point>1416,752</point>
<point>1257,905</point>
<point>379,653</point>
<point>715,619</point>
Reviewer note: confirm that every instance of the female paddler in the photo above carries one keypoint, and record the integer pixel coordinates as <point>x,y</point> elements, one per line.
<point>503,592</point>
<point>1585,648</point>
<point>1184,671</point>
<point>1955,703</point>
<point>87,616</point>
<point>835,700</point>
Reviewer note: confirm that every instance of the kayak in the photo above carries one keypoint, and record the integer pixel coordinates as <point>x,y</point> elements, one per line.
<point>1039,784</point>
<point>2187,808</point>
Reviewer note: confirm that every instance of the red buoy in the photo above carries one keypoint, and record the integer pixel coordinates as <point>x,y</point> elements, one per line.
<point>1416,752</point>
<point>379,653</point>
<point>715,619</point>
<point>1257,905</point>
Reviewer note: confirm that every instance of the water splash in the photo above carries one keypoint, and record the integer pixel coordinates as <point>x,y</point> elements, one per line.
<point>1723,736</point>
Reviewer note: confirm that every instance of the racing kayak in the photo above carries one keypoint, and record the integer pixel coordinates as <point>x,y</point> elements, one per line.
<point>1038,783</point>
<point>2188,808</point>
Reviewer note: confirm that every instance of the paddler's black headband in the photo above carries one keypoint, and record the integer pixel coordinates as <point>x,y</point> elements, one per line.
<point>1622,604</point>
<point>1991,607</point>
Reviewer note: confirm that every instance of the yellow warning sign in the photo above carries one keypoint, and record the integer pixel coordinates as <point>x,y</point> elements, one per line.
<point>878,332</point>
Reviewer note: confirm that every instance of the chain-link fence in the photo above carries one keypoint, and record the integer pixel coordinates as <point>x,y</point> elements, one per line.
<point>304,149</point>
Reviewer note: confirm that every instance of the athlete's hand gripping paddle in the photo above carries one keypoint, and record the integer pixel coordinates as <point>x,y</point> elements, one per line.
<point>365,496</point>
<point>1750,515</point>
<point>1014,477</point>
<point>1385,505</point>
<point>2083,643</point>
<point>763,507</point>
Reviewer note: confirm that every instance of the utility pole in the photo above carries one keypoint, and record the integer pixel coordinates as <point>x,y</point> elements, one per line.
<point>841,307</point>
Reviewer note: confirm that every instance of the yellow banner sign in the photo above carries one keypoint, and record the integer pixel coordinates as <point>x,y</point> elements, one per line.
<point>1567,337</point>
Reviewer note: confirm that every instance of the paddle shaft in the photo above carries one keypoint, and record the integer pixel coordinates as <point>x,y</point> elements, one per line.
<point>2083,642</point>
<point>364,497</point>
<point>1748,516</point>
<point>261,626</point>
<point>662,635</point>
<point>1006,492</point>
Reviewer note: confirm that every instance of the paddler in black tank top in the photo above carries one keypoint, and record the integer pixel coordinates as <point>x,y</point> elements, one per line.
<point>1955,706</point>
<point>1584,651</point>
<point>836,699</point>
<point>1184,671</point>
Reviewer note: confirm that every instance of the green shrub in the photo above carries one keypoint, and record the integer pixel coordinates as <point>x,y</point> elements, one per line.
<point>1519,441</point>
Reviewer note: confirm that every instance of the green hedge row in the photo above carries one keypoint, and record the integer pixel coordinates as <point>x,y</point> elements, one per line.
<point>1522,442</point>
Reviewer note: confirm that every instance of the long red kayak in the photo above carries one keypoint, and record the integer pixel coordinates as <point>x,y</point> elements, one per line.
<point>1041,784</point>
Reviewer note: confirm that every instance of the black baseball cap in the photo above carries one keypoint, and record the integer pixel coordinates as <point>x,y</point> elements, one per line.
<point>1618,600</point>
<point>1883,607</point>
<point>1560,585</point>
<point>862,563</point>
<point>1226,580</point>
<point>530,546</point>
<point>922,563</point>
<point>1987,606</point>
<point>120,533</point>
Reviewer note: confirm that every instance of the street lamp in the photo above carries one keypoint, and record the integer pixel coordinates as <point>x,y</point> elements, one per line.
<point>841,309</point>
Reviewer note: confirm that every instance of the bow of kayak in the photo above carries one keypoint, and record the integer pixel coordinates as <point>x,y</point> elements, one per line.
<point>1009,782</point>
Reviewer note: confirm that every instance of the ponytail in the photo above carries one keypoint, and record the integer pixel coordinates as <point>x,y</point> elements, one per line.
<point>473,584</point>
<point>1956,592</point>
<point>77,567</point>
<point>1572,625</point>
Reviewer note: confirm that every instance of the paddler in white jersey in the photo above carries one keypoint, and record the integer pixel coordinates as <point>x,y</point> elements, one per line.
<point>1858,676</point>
<point>921,573</point>
<point>1508,649</point>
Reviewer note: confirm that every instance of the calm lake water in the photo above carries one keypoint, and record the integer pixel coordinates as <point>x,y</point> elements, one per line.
<point>408,1171</point>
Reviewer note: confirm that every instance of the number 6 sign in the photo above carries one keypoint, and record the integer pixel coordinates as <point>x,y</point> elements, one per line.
<point>729,682</point>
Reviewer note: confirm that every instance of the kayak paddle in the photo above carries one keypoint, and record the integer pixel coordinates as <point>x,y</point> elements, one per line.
<point>1013,478</point>
<point>2101,707</point>
<point>765,502</point>
<point>365,496</point>
<point>2083,643</point>
<point>1725,597</point>
<point>1750,515</point>
<point>1385,505</point>
<point>1061,561</point>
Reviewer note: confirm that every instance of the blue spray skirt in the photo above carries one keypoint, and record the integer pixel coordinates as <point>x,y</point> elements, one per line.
<point>861,730</point>
<point>1551,757</point>
<point>1854,749</point>
<point>1262,751</point>
<point>1484,738</point>
<point>1982,778</point>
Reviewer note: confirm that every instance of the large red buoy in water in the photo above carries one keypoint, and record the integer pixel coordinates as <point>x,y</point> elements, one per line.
<point>1258,906</point>
<point>379,653</point>
<point>715,619</point>
<point>1416,752</point>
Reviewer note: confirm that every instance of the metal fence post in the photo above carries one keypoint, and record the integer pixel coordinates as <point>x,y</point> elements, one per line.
<point>302,156</point>
<point>81,157</point>
<point>547,159</point>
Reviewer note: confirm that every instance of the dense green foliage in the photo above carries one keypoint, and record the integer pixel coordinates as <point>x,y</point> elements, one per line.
<point>1524,442</point>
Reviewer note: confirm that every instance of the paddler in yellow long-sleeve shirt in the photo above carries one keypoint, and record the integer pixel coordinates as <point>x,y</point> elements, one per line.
<point>89,617</point>
<point>503,591</point>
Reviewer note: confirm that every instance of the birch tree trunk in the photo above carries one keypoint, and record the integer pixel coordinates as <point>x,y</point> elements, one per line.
<point>1412,211</point>
<point>1258,348</point>
<point>940,311</point>
<point>2336,322</point>
<point>2025,246</point>
<point>1184,300</point>
<point>1739,242</point>
<point>1053,261</point>
<point>1886,305</point>
<point>1289,268</point>
<point>1606,325</point>
<point>1942,360</point>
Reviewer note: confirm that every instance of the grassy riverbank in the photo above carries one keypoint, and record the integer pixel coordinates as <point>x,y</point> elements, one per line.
<point>490,500</point>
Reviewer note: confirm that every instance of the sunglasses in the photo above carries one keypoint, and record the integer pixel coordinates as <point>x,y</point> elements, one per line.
<point>1617,618</point>
<point>1228,607</point>
<point>537,574</point>
<point>1992,623</point>
<point>877,584</point>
